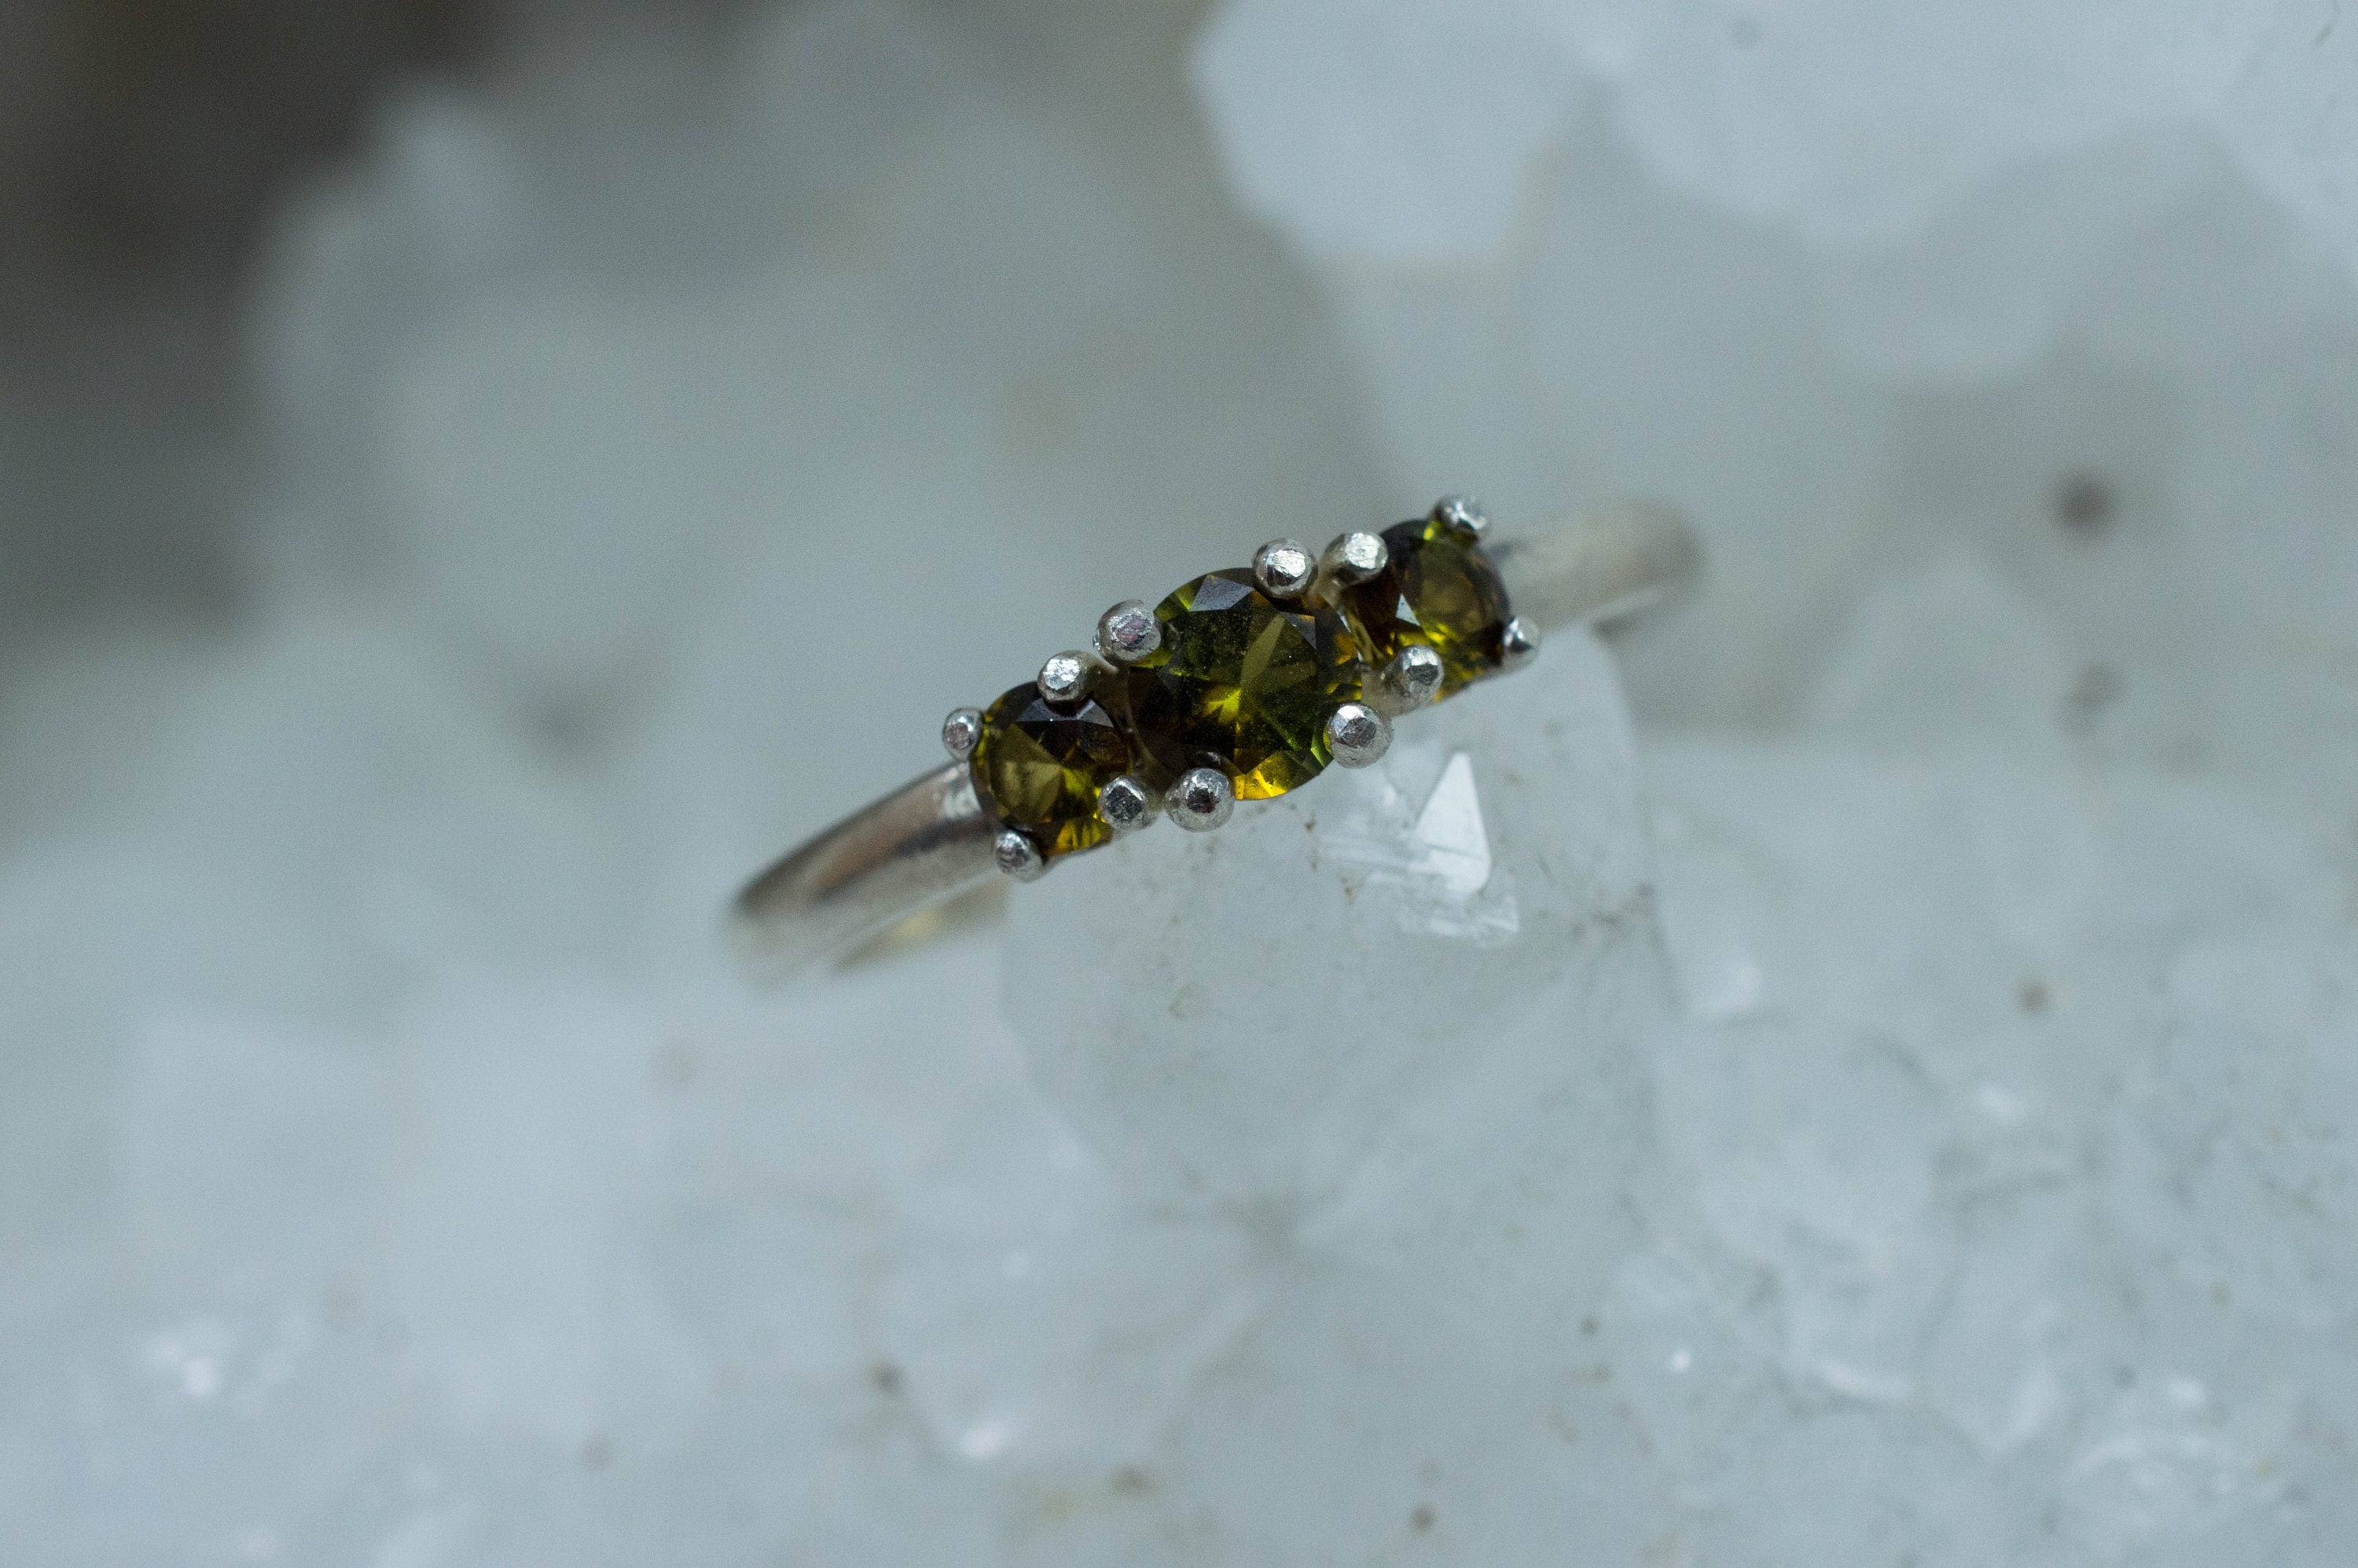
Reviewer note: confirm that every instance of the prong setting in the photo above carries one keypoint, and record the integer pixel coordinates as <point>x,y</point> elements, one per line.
<point>1358,736</point>
<point>1127,804</point>
<point>1411,680</point>
<point>1518,644</point>
<point>1065,677</point>
<point>1462,512</point>
<point>1064,780</point>
<point>1284,569</point>
<point>961,732</point>
<point>1354,558</point>
<point>1129,632</point>
<point>1018,857</point>
<point>1201,800</point>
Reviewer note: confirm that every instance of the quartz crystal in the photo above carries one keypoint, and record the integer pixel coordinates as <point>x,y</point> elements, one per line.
<point>1254,1026</point>
<point>1893,1103</point>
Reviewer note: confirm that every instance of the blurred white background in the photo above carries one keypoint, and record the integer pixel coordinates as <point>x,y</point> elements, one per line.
<point>475,479</point>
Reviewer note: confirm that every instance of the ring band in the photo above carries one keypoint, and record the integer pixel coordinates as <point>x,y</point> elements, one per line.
<point>1242,685</point>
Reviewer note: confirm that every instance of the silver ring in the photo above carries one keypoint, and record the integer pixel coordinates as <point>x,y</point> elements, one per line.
<point>1242,685</point>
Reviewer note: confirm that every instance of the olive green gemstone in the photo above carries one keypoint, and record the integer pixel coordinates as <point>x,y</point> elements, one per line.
<point>1043,763</point>
<point>1438,589</point>
<point>1243,684</point>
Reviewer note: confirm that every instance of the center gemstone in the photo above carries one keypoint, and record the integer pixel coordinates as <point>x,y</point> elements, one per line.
<point>1243,684</point>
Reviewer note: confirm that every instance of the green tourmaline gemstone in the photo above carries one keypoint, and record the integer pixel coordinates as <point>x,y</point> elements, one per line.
<point>1242,684</point>
<point>1439,589</point>
<point>1041,764</point>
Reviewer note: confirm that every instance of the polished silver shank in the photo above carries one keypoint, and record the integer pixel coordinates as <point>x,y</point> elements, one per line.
<point>933,839</point>
<point>1605,569</point>
<point>929,840</point>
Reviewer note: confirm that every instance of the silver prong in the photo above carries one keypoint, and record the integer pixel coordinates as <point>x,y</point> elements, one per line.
<point>1064,676</point>
<point>1462,512</point>
<point>1357,735</point>
<point>1355,558</point>
<point>1129,631</point>
<point>1127,804</point>
<point>1201,800</point>
<point>1018,856</point>
<point>1284,569</point>
<point>1519,645</point>
<point>960,730</point>
<point>1409,682</point>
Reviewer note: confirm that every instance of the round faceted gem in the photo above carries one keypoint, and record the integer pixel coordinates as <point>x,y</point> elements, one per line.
<point>1437,589</point>
<point>1243,684</point>
<point>1043,763</point>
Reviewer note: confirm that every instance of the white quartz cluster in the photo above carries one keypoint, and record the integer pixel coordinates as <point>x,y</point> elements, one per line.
<point>1895,1102</point>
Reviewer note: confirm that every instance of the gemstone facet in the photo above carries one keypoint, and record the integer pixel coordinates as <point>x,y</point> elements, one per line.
<point>1437,589</point>
<point>1043,763</point>
<point>1242,684</point>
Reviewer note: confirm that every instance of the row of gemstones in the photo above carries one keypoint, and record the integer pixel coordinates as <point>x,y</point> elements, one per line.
<point>1240,678</point>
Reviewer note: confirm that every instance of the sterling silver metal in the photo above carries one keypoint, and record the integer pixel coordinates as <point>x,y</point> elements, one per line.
<point>1409,682</point>
<point>1018,856</point>
<point>960,730</point>
<point>927,841</point>
<point>1355,558</point>
<point>1129,631</point>
<point>1284,569</point>
<point>1518,644</point>
<point>1611,568</point>
<point>1064,676</point>
<point>1127,804</point>
<point>933,839</point>
<point>1201,800</point>
<point>1358,736</point>
<point>1462,512</point>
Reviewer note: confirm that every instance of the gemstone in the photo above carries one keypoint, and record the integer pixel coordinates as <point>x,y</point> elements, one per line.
<point>1437,589</point>
<point>1041,764</point>
<point>1241,683</point>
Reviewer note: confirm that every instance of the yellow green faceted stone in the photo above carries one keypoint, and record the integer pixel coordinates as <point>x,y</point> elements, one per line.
<point>1439,589</point>
<point>1043,763</point>
<point>1241,683</point>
